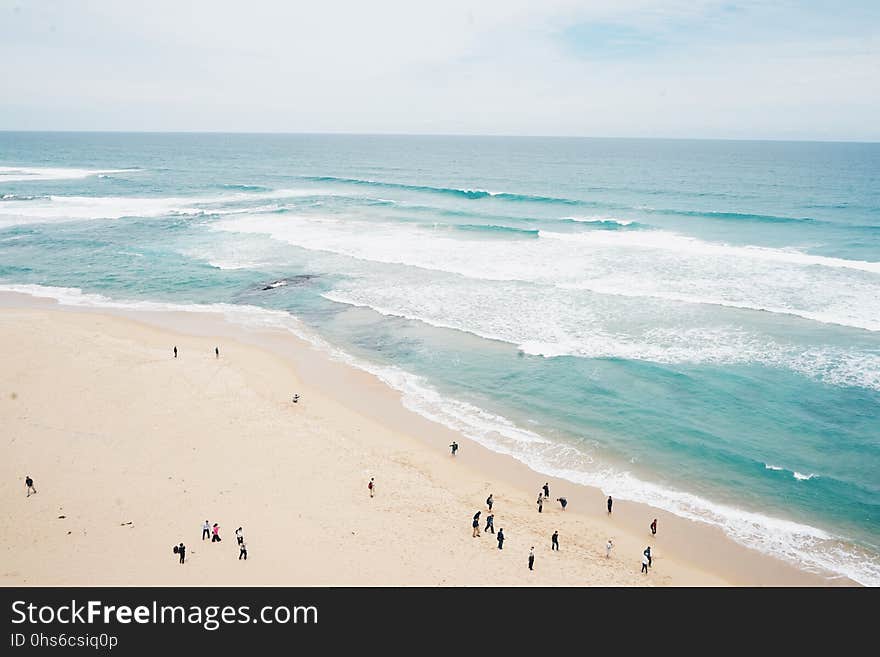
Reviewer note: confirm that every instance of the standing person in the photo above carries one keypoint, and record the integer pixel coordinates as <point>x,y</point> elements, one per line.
<point>217,352</point>
<point>490,523</point>
<point>242,551</point>
<point>216,534</point>
<point>610,502</point>
<point>181,552</point>
<point>540,502</point>
<point>490,501</point>
<point>206,530</point>
<point>30,485</point>
<point>372,486</point>
<point>563,502</point>
<point>546,490</point>
<point>647,554</point>
<point>645,564</point>
<point>476,524</point>
<point>654,527</point>
<point>501,538</point>
<point>454,447</point>
<point>532,558</point>
<point>175,355</point>
<point>608,547</point>
<point>239,537</point>
<point>554,541</point>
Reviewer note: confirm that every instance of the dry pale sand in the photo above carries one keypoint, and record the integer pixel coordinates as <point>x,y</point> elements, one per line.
<point>131,450</point>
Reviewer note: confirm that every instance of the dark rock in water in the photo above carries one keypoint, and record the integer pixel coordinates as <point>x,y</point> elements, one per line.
<point>293,280</point>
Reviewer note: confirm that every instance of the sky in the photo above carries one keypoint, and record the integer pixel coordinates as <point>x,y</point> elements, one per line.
<point>755,69</point>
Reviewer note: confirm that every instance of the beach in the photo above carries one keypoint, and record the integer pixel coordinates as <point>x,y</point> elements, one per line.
<point>132,449</point>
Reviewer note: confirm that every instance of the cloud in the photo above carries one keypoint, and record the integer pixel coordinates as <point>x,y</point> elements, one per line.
<point>630,67</point>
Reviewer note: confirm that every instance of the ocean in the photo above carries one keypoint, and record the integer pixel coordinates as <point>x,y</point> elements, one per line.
<point>690,324</point>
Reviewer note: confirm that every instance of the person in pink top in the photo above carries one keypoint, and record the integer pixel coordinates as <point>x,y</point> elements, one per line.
<point>215,538</point>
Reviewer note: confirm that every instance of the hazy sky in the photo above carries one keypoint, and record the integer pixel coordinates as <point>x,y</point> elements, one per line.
<point>773,69</point>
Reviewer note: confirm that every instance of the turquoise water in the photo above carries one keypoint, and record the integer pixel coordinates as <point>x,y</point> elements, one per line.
<point>692,324</point>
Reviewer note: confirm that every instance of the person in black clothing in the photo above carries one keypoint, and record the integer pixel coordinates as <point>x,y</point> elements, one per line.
<point>654,527</point>
<point>610,502</point>
<point>540,503</point>
<point>217,352</point>
<point>454,447</point>
<point>476,524</point>
<point>490,501</point>
<point>490,523</point>
<point>532,558</point>
<point>181,552</point>
<point>554,544</point>
<point>546,490</point>
<point>563,502</point>
<point>175,355</point>
<point>30,485</point>
<point>648,554</point>
<point>242,551</point>
<point>501,538</point>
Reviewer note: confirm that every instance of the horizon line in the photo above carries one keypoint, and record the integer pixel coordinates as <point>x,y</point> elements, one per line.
<point>441,134</point>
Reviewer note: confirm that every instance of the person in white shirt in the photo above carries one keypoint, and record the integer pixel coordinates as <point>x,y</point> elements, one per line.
<point>608,547</point>
<point>644,563</point>
<point>206,530</point>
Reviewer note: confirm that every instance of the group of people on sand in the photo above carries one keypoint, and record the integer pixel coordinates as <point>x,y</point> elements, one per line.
<point>543,495</point>
<point>294,399</point>
<point>647,557</point>
<point>213,532</point>
<point>216,351</point>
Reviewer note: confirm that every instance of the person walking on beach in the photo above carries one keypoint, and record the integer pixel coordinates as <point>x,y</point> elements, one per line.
<point>454,447</point>
<point>546,490</point>
<point>608,546</point>
<point>206,530</point>
<point>654,527</point>
<point>181,552</point>
<point>532,558</point>
<point>242,551</point>
<point>540,502</point>
<point>645,564</point>
<point>647,554</point>
<point>500,538</point>
<point>490,501</point>
<point>554,541</point>
<point>217,352</point>
<point>610,502</point>
<point>239,537</point>
<point>295,398</point>
<point>562,501</point>
<point>216,534</point>
<point>372,486</point>
<point>30,485</point>
<point>490,524</point>
<point>175,355</point>
<point>476,524</point>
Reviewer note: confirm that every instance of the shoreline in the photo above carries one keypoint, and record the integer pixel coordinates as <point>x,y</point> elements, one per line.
<point>687,552</point>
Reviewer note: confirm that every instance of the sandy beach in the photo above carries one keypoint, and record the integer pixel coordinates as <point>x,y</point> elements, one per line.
<point>131,450</point>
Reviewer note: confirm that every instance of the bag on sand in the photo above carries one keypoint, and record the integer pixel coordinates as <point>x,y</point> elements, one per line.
<point>175,549</point>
